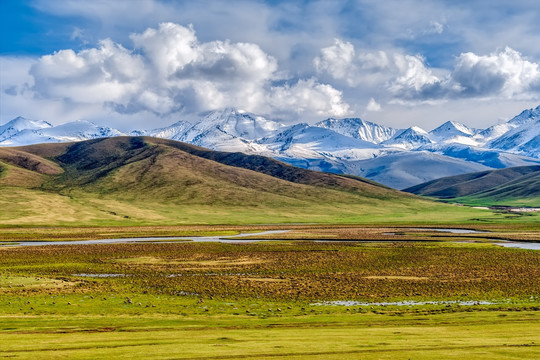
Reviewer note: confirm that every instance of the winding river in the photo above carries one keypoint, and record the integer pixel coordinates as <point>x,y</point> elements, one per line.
<point>237,239</point>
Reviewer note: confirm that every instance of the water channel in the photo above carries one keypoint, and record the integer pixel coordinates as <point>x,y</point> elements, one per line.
<point>237,239</point>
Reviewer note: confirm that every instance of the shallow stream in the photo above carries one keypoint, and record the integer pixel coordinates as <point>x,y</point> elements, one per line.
<point>237,239</point>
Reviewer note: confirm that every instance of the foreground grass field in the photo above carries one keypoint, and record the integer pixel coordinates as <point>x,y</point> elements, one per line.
<point>24,207</point>
<point>270,299</point>
<point>468,335</point>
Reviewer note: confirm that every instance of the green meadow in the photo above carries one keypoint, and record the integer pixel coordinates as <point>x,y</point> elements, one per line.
<point>188,300</point>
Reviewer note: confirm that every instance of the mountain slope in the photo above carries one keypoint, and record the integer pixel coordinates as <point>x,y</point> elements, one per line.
<point>127,180</point>
<point>358,129</point>
<point>523,191</point>
<point>410,138</point>
<point>14,127</point>
<point>511,182</point>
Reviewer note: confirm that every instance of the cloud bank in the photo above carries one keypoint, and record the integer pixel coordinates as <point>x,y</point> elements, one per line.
<point>395,62</point>
<point>407,78</point>
<point>169,70</point>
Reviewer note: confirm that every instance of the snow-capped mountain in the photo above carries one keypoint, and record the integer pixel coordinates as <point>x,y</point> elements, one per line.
<point>451,129</point>
<point>42,132</point>
<point>493,158</point>
<point>397,158</point>
<point>454,132</point>
<point>523,137</point>
<point>358,129</point>
<point>235,123</point>
<point>230,130</point>
<point>396,169</point>
<point>409,139</point>
<point>15,126</point>
<point>175,131</point>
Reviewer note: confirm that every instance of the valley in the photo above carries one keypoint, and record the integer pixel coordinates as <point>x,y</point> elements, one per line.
<point>292,259</point>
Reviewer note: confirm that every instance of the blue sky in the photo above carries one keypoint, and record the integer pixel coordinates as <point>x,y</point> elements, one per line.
<point>148,63</point>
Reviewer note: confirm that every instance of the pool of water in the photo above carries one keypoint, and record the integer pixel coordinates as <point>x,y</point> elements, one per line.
<point>406,303</point>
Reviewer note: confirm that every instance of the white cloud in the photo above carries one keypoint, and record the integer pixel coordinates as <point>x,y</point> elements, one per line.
<point>309,96</point>
<point>435,27</point>
<point>373,105</point>
<point>401,75</point>
<point>405,77</point>
<point>170,71</point>
<point>505,73</point>
<point>338,60</point>
<point>108,73</point>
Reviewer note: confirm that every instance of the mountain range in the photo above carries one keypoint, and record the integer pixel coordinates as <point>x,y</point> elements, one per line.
<point>399,158</point>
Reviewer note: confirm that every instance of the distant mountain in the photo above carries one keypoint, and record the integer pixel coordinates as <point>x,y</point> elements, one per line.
<point>174,132</point>
<point>349,145</point>
<point>409,139</point>
<point>406,168</point>
<point>491,186</point>
<point>230,130</point>
<point>358,129</point>
<point>523,137</point>
<point>451,129</point>
<point>492,158</point>
<point>16,126</point>
<point>303,140</point>
<point>43,132</point>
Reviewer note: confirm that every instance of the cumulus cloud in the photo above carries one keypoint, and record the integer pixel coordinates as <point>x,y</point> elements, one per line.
<point>373,105</point>
<point>402,75</point>
<point>406,77</point>
<point>338,60</point>
<point>506,73</point>
<point>108,73</point>
<point>170,70</point>
<point>308,95</point>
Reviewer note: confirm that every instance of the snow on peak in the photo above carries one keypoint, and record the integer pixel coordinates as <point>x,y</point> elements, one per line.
<point>80,130</point>
<point>15,126</point>
<point>526,116</point>
<point>409,139</point>
<point>523,139</point>
<point>21,123</point>
<point>303,139</point>
<point>450,129</point>
<point>359,129</point>
<point>175,131</point>
<point>235,123</point>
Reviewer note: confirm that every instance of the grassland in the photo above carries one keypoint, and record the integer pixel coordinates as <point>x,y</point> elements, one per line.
<point>188,300</point>
<point>211,300</point>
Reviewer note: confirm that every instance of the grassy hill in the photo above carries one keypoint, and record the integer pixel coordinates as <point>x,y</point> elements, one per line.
<point>518,186</point>
<point>140,180</point>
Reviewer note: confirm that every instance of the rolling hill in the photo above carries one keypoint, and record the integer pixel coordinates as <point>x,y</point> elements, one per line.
<point>143,180</point>
<point>511,186</point>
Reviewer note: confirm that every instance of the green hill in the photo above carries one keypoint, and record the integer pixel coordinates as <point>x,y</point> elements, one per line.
<point>518,186</point>
<point>140,180</point>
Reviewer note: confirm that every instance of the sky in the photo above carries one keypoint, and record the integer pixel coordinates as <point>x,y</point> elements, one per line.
<point>141,64</point>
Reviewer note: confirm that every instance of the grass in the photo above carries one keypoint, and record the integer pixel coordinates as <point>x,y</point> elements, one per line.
<point>25,207</point>
<point>211,300</point>
<point>476,335</point>
<point>506,201</point>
